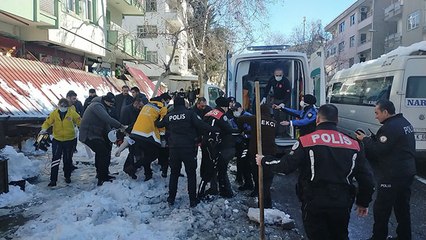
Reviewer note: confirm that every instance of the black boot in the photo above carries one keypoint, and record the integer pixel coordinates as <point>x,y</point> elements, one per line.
<point>52,184</point>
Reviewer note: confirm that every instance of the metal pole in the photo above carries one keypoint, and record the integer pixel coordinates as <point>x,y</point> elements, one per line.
<point>260,168</point>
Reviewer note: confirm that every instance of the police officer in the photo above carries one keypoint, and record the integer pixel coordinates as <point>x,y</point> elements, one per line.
<point>217,117</point>
<point>306,117</point>
<point>328,160</point>
<point>182,123</point>
<point>394,148</point>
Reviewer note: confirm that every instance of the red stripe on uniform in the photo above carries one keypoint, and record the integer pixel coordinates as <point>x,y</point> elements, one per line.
<point>329,138</point>
<point>214,113</point>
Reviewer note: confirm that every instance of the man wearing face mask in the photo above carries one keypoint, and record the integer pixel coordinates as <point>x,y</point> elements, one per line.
<point>95,125</point>
<point>306,116</point>
<point>147,135</point>
<point>279,89</point>
<point>63,119</point>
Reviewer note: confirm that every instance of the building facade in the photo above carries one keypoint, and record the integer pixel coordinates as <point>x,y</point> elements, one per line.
<point>71,33</point>
<point>370,28</point>
<point>160,28</point>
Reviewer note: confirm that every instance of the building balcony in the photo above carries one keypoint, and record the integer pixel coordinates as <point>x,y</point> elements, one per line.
<point>364,45</point>
<point>366,21</point>
<point>174,18</point>
<point>128,7</point>
<point>394,11</point>
<point>38,13</point>
<point>393,41</point>
<point>124,44</point>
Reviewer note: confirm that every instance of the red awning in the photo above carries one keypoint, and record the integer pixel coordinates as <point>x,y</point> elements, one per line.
<point>32,89</point>
<point>145,84</point>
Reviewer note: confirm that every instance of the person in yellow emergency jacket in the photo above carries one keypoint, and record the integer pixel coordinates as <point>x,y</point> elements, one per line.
<point>147,135</point>
<point>62,120</point>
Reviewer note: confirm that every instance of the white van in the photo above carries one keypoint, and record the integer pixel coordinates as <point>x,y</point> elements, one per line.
<point>258,65</point>
<point>399,76</point>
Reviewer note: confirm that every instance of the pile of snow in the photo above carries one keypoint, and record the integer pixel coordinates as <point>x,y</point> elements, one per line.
<point>16,196</point>
<point>271,217</point>
<point>129,209</point>
<point>19,166</point>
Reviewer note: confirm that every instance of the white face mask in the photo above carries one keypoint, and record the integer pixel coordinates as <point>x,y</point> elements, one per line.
<point>237,114</point>
<point>303,104</point>
<point>63,109</point>
<point>278,78</point>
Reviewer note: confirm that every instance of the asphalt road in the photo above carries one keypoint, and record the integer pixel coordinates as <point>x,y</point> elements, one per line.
<point>284,198</point>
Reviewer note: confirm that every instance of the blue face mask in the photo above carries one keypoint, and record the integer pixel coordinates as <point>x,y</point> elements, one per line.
<point>63,109</point>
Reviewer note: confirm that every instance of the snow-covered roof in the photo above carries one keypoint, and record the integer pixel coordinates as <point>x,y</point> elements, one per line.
<point>394,60</point>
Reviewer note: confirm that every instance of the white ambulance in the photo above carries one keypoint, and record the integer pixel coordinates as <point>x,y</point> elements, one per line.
<point>258,64</point>
<point>399,76</point>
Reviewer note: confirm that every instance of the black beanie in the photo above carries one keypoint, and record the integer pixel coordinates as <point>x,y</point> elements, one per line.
<point>179,101</point>
<point>309,99</point>
<point>222,102</point>
<point>109,97</point>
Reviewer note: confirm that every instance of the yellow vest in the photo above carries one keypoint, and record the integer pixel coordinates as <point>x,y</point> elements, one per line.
<point>63,130</point>
<point>145,123</point>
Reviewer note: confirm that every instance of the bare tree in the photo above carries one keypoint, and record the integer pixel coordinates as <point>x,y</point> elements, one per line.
<point>308,37</point>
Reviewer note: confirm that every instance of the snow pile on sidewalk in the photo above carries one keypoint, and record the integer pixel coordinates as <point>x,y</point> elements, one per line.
<point>19,166</point>
<point>132,209</point>
<point>272,217</point>
<point>16,196</point>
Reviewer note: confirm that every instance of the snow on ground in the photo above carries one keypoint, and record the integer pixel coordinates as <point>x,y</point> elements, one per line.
<point>20,167</point>
<point>126,208</point>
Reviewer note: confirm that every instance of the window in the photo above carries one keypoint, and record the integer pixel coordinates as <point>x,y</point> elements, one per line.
<point>152,56</point>
<point>413,20</point>
<point>362,92</point>
<point>351,62</point>
<point>87,9</point>
<point>341,46</point>
<point>416,87</point>
<point>71,5</point>
<point>176,60</point>
<point>341,27</point>
<point>352,19</point>
<point>151,5</point>
<point>147,31</point>
<point>363,38</point>
<point>352,41</point>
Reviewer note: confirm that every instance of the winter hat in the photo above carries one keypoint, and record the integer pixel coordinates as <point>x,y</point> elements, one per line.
<point>231,99</point>
<point>109,97</point>
<point>179,101</point>
<point>309,99</point>
<point>236,106</point>
<point>222,102</point>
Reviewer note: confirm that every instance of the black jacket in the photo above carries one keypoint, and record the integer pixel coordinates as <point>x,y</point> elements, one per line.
<point>328,161</point>
<point>182,125</point>
<point>129,116</point>
<point>281,89</point>
<point>201,113</point>
<point>394,148</point>
<point>87,102</point>
<point>221,121</point>
<point>121,101</point>
<point>268,125</point>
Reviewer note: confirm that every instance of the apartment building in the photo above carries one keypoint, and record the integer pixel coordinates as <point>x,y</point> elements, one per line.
<point>163,20</point>
<point>370,28</point>
<point>357,35</point>
<point>406,22</point>
<point>71,33</point>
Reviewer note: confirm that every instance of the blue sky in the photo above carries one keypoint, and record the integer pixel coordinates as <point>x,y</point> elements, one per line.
<point>286,15</point>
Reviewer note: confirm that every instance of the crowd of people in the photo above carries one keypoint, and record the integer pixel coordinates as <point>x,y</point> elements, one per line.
<point>327,160</point>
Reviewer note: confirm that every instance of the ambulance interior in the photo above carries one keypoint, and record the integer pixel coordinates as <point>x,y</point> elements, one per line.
<point>262,70</point>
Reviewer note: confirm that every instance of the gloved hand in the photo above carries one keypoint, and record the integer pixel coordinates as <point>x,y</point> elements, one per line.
<point>263,101</point>
<point>42,131</point>
<point>281,105</point>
